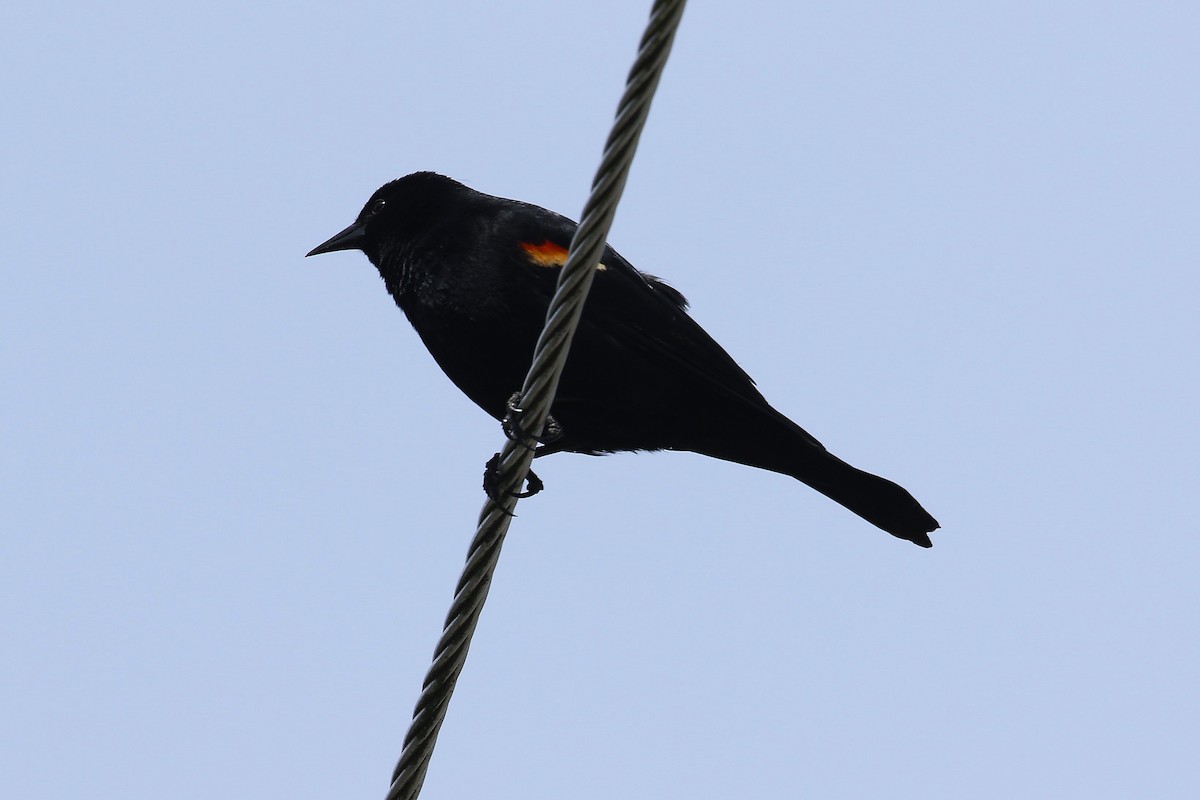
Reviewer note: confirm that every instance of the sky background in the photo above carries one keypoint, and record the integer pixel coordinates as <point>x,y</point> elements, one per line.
<point>958,242</point>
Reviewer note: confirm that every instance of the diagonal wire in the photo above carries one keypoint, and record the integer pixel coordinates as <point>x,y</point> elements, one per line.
<point>537,394</point>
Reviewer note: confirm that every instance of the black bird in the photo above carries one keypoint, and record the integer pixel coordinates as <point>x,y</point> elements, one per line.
<point>475,273</point>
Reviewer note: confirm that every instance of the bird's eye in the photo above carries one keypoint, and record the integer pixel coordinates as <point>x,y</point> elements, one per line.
<point>377,206</point>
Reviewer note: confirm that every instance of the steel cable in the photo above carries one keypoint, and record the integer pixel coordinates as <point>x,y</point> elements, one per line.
<point>536,396</point>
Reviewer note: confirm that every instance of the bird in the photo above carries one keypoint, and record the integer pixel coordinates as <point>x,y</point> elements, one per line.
<point>474,273</point>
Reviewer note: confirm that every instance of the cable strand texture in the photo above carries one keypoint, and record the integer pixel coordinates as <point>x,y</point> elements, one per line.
<point>537,394</point>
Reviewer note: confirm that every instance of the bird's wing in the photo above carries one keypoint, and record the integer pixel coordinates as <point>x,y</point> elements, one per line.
<point>637,311</point>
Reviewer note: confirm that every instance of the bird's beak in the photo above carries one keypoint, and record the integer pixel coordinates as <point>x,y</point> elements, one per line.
<point>349,239</point>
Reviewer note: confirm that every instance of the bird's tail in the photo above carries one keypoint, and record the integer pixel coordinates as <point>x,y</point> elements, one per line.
<point>790,450</point>
<point>877,500</point>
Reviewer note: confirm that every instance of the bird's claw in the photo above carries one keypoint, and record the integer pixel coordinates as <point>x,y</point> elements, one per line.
<point>511,425</point>
<point>491,482</point>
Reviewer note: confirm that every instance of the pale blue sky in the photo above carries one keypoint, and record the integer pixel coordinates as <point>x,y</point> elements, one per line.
<point>955,241</point>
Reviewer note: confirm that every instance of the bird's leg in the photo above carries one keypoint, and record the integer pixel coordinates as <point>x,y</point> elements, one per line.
<point>491,481</point>
<point>511,425</point>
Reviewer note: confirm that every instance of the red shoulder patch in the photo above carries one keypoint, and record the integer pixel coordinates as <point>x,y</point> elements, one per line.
<point>546,254</point>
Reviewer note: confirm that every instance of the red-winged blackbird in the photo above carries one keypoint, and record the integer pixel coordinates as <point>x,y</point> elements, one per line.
<point>475,274</point>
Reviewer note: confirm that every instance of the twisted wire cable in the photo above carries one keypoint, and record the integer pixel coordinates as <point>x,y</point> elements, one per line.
<point>537,394</point>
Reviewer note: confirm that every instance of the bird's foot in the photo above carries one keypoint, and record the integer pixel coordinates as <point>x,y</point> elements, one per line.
<point>511,425</point>
<point>491,481</point>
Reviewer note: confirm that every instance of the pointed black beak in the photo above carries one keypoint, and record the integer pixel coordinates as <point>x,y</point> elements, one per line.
<point>349,239</point>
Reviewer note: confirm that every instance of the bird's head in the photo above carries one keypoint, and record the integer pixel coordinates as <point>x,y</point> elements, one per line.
<point>402,207</point>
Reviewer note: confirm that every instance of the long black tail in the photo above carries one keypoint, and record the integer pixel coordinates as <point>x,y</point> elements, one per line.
<point>774,442</point>
<point>875,499</point>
